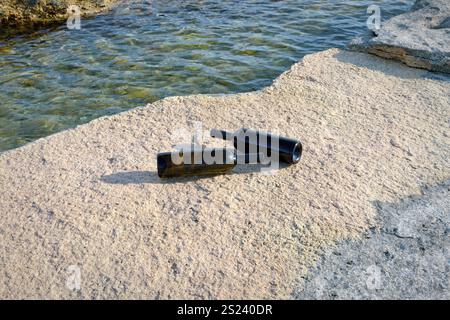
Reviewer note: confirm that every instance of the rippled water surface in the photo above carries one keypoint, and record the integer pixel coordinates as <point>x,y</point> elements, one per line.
<point>145,50</point>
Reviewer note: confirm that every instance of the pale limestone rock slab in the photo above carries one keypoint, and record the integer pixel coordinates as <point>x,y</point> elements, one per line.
<point>89,198</point>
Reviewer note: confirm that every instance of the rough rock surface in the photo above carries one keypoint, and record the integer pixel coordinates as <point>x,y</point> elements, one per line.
<point>23,13</point>
<point>406,257</point>
<point>420,38</point>
<point>89,200</point>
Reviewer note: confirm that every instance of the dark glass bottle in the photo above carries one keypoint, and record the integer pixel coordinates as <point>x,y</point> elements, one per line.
<point>196,162</point>
<point>262,143</point>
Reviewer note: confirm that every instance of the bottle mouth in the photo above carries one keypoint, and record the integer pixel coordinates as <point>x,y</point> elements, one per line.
<point>161,165</point>
<point>297,153</point>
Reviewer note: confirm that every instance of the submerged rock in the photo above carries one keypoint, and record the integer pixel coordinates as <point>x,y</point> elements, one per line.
<point>419,38</point>
<point>26,13</point>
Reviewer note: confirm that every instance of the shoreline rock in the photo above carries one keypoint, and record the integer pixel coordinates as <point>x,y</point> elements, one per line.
<point>89,199</point>
<point>419,38</point>
<point>24,14</point>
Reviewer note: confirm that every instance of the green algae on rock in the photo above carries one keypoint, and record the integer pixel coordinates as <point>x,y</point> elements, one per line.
<point>35,13</point>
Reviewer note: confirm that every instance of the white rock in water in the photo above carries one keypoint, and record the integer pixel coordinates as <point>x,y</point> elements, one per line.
<point>420,38</point>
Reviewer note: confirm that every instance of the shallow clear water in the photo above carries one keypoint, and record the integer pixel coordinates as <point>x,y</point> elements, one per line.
<point>140,52</point>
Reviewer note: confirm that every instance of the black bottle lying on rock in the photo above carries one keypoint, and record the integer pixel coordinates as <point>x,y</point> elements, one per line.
<point>263,143</point>
<point>250,147</point>
<point>195,162</point>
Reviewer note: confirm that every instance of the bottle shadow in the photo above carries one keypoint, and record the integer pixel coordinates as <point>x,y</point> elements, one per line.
<point>151,177</point>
